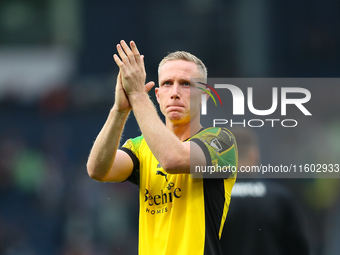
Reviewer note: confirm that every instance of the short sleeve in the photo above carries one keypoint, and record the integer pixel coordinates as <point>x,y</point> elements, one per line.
<point>220,149</point>
<point>131,147</point>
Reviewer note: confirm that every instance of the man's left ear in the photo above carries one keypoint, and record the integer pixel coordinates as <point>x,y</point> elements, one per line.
<point>207,95</point>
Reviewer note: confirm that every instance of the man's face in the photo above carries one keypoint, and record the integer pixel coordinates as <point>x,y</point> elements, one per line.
<point>175,91</point>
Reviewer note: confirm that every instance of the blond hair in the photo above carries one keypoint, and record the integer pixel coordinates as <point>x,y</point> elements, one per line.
<point>186,56</point>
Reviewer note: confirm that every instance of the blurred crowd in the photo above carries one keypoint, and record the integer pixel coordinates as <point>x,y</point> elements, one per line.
<point>48,204</point>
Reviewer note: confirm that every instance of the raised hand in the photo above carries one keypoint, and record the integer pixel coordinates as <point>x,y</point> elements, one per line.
<point>121,100</point>
<point>132,69</point>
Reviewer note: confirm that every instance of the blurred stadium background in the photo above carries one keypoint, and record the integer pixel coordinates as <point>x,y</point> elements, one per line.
<point>57,82</point>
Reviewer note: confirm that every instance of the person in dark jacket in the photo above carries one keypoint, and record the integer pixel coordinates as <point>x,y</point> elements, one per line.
<point>263,217</point>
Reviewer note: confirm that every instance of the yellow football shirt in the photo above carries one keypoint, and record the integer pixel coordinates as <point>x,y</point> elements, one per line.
<point>180,214</point>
